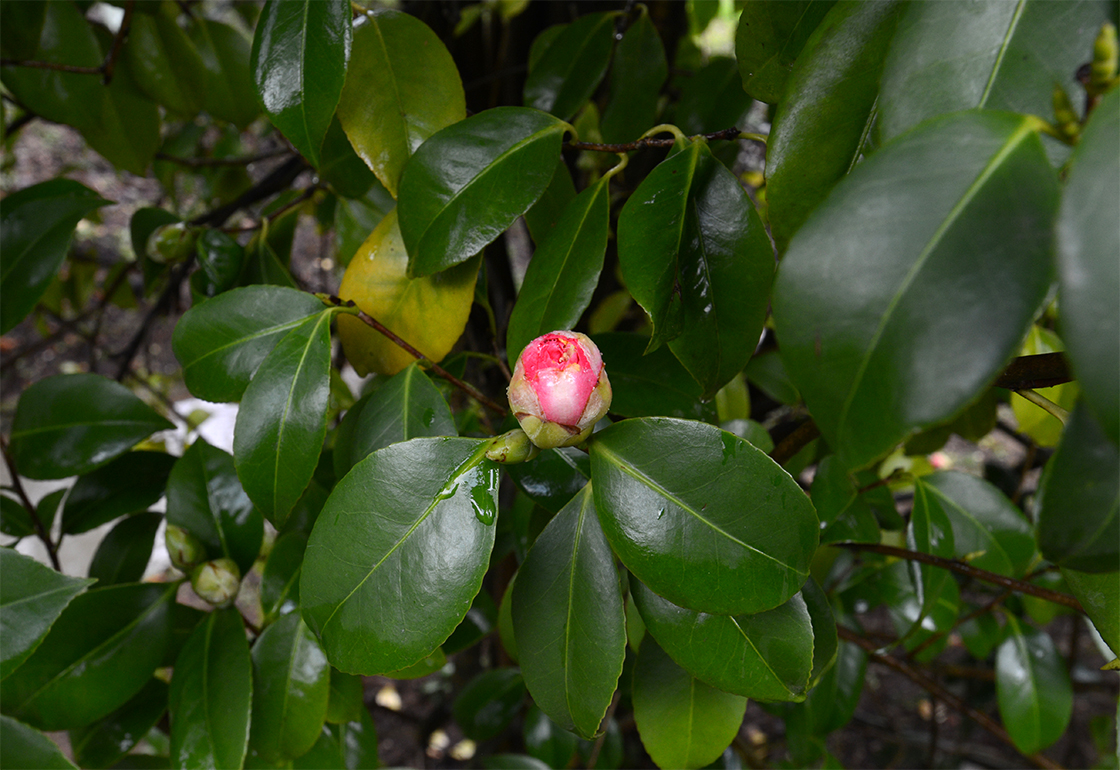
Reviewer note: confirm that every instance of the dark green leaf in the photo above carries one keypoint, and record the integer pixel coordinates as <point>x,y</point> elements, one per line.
<point>131,483</point>
<point>877,329</point>
<point>211,695</point>
<point>23,746</point>
<point>546,741</point>
<point>401,532</point>
<point>824,119</point>
<point>768,40</point>
<point>355,219</point>
<point>993,55</point>
<point>408,405</point>
<point>165,62</point>
<point>554,477</point>
<point>280,578</point>
<point>489,703</point>
<point>564,270</point>
<point>99,653</point>
<point>36,224</point>
<point>15,520</point>
<point>468,182</point>
<point>221,259</point>
<point>32,596</point>
<point>542,216</point>
<point>478,622</point>
<point>1099,595</point>
<point>689,509</point>
<point>283,419</point>
<point>221,342</point>
<point>263,265</point>
<point>1089,276</point>
<point>299,57</point>
<point>571,67</point>
<point>72,423</point>
<point>712,99</point>
<point>767,372</point>
<point>841,507</point>
<point>123,555</point>
<point>652,385</point>
<point>352,746</point>
<point>1078,523</point>
<point>341,168</point>
<point>224,54</point>
<point>682,721</point>
<point>291,687</point>
<point>1035,695</point>
<point>929,532</point>
<point>568,619</point>
<point>345,703</point>
<point>767,656</point>
<point>21,24</point>
<point>394,99</point>
<point>639,71</point>
<point>831,704</point>
<point>825,637</point>
<point>205,498</point>
<point>104,742</point>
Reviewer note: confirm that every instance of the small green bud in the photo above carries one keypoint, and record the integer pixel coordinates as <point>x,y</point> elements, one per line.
<point>1065,116</point>
<point>1106,53</point>
<point>185,549</point>
<point>172,243</point>
<point>217,582</point>
<point>513,447</point>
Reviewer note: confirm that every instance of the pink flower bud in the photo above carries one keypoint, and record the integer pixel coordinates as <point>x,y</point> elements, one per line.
<point>559,389</point>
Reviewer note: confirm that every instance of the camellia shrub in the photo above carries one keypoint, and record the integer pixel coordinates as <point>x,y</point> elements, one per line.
<point>798,260</point>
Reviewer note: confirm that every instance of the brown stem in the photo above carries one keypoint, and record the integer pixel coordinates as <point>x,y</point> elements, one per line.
<point>795,442</point>
<point>17,485</point>
<point>208,162</point>
<point>984,609</point>
<point>109,66</point>
<point>368,320</point>
<point>940,693</point>
<point>1042,371</point>
<point>594,756</point>
<point>727,133</point>
<point>961,568</point>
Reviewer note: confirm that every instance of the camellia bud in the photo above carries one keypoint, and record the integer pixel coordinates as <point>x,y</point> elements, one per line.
<point>559,389</point>
<point>217,582</point>
<point>184,548</point>
<point>512,447</point>
<point>171,243</point>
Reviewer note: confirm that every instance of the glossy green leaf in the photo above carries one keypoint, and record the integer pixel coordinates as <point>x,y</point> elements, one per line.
<point>1078,522</point>
<point>400,533</point>
<point>568,619</point>
<point>221,342</point>
<point>767,372</point>
<point>127,132</point>
<point>355,219</point>
<point>224,54</point>
<point>205,497</point>
<point>15,520</point>
<point>1099,594</point>
<point>291,687</point>
<point>564,271</point>
<point>988,531</point>
<point>650,385</point>
<point>841,507</point>
<point>991,54</point>
<point>32,596</point>
<point>131,483</point>
<point>125,552</point>
<point>221,259</point>
<point>767,656</point>
<point>542,216</point>
<point>211,695</point>
<point>682,722</point>
<point>283,419</point>
<point>831,703</point>
<point>929,532</point>
<point>24,746</point>
<point>878,329</point>
<point>72,423</point>
<point>478,622</point>
<point>408,405</point>
<point>165,62</point>
<point>36,224</point>
<point>104,742</point>
<point>352,746</point>
<point>468,182</point>
<point>1088,275</point>
<point>768,40</point>
<point>345,703</point>
<point>489,703</point>
<point>280,577</point>
<point>299,57</point>
<point>264,265</point>
<point>98,654</point>
<point>393,99</point>
<point>823,122</point>
<point>689,509</point>
<point>346,173</point>
<point>826,640</point>
<point>21,24</point>
<point>554,477</point>
<point>546,741</point>
<point>427,665</point>
<point>638,72</point>
<point>695,255</point>
<point>712,99</point>
<point>47,508</point>
<point>571,67</point>
<point>1033,687</point>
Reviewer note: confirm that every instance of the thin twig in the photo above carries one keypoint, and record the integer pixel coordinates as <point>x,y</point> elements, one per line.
<point>593,757</point>
<point>795,442</point>
<point>727,133</point>
<point>50,65</point>
<point>940,693</point>
<point>961,568</point>
<point>109,66</point>
<point>368,320</point>
<point>17,485</point>
<point>244,160</point>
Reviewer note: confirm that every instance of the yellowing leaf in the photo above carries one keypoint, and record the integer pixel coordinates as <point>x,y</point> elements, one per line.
<point>429,313</point>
